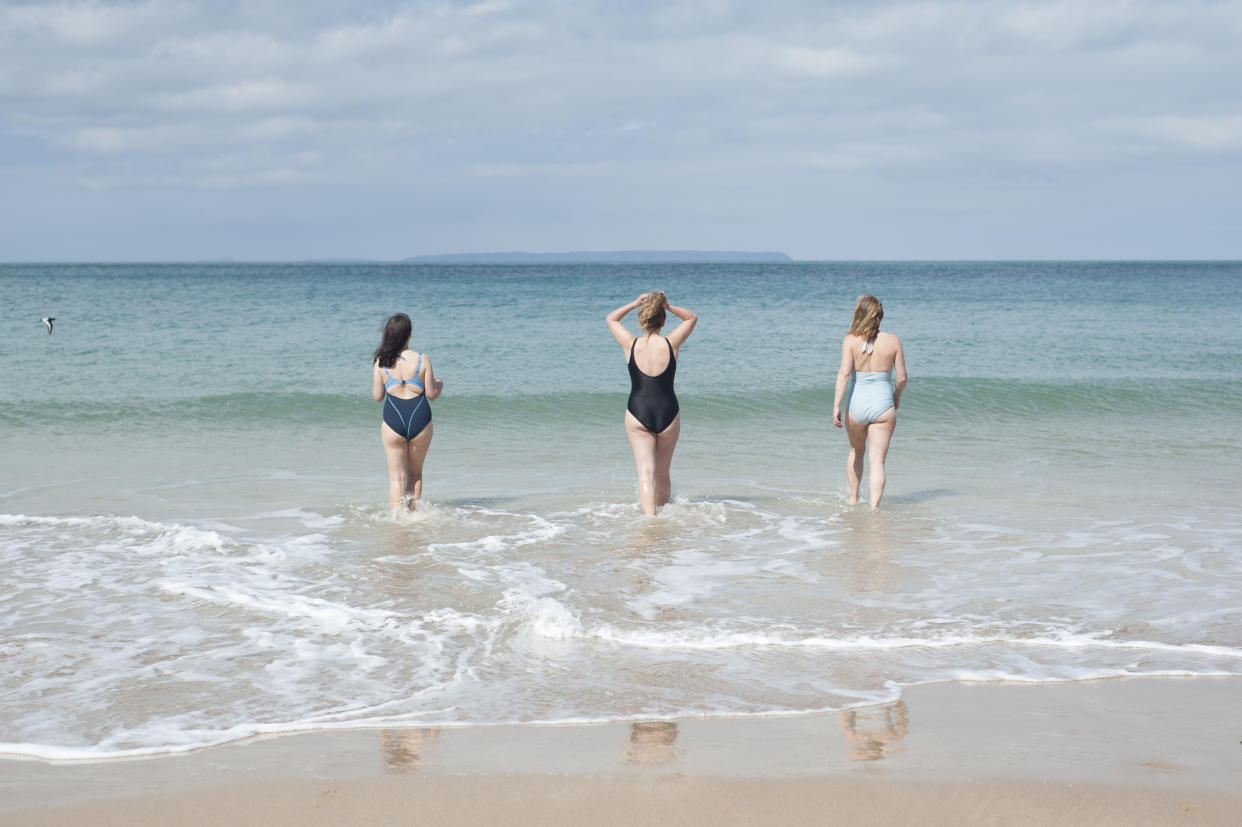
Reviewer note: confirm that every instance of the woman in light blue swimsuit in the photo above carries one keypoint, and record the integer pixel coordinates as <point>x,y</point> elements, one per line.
<point>869,361</point>
<point>404,381</point>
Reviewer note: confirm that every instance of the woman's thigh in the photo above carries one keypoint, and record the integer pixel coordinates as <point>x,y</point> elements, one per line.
<point>642,441</point>
<point>880,433</point>
<point>395,449</point>
<point>666,443</point>
<point>857,433</point>
<point>416,449</point>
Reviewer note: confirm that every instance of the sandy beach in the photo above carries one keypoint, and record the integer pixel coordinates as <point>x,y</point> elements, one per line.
<point>1122,751</point>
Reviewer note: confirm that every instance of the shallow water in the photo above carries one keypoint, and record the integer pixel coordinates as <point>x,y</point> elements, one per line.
<point>197,548</point>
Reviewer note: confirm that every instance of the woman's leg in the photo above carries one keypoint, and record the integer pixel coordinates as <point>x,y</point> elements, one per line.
<point>857,433</point>
<point>416,454</point>
<point>666,443</point>
<point>644,444</point>
<point>396,451</point>
<point>880,433</point>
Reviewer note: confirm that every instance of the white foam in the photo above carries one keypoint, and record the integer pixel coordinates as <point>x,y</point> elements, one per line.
<point>469,614</point>
<point>543,617</point>
<point>310,519</point>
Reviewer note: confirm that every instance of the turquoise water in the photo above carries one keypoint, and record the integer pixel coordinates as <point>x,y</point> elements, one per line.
<point>192,495</point>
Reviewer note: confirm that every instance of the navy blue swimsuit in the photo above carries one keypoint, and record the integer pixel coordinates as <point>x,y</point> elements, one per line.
<point>408,417</point>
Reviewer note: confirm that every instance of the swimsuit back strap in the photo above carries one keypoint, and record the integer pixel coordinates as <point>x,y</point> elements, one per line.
<point>417,378</point>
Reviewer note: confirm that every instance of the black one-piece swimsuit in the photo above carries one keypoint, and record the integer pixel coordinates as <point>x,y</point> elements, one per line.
<point>652,400</point>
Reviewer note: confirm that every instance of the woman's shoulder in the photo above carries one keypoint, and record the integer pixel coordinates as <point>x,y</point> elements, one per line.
<point>888,337</point>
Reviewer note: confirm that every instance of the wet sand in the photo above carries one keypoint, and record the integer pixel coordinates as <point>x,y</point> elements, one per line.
<point>1132,751</point>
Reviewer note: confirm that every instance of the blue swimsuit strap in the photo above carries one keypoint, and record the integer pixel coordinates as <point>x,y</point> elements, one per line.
<point>414,380</point>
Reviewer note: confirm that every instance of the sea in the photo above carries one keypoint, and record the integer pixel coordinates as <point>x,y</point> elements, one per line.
<point>196,546</point>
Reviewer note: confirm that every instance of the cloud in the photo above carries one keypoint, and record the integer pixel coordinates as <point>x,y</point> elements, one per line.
<point>660,100</point>
<point>1209,134</point>
<point>91,24</point>
<point>829,63</point>
<point>268,96</point>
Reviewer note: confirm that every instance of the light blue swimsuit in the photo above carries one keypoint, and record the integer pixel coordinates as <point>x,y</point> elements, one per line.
<point>871,392</point>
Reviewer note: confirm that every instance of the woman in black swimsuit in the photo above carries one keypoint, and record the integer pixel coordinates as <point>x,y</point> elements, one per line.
<point>652,416</point>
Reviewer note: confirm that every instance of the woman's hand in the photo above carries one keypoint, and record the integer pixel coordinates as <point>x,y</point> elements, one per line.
<point>439,385</point>
<point>836,418</point>
<point>642,297</point>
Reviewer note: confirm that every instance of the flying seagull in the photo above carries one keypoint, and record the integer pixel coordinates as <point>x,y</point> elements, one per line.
<point>47,320</point>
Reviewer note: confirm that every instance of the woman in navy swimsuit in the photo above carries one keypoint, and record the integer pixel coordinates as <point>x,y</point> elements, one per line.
<point>404,381</point>
<point>652,415</point>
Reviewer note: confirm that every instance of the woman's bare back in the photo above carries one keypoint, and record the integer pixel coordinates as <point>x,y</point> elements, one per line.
<point>652,355</point>
<point>879,358</point>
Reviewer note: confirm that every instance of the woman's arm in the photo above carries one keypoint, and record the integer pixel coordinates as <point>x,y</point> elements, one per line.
<point>843,380</point>
<point>432,386</point>
<point>678,335</point>
<point>899,371</point>
<point>377,382</point>
<point>618,331</point>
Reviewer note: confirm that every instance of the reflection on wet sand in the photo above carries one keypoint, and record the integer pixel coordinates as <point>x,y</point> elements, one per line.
<point>403,749</point>
<point>651,743</point>
<point>873,731</point>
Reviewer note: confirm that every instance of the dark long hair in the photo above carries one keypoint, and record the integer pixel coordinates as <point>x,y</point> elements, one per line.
<point>396,336</point>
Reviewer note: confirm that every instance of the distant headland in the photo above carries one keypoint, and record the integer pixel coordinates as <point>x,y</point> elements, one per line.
<point>584,257</point>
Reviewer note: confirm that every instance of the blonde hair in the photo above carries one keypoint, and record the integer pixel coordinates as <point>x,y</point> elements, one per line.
<point>651,311</point>
<point>867,315</point>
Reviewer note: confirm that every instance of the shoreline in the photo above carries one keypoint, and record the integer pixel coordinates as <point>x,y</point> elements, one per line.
<point>1150,750</point>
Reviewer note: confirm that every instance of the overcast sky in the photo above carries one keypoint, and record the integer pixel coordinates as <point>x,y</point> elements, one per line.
<point>259,130</point>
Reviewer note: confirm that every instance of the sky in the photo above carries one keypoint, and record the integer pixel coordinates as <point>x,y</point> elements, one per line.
<point>261,130</point>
